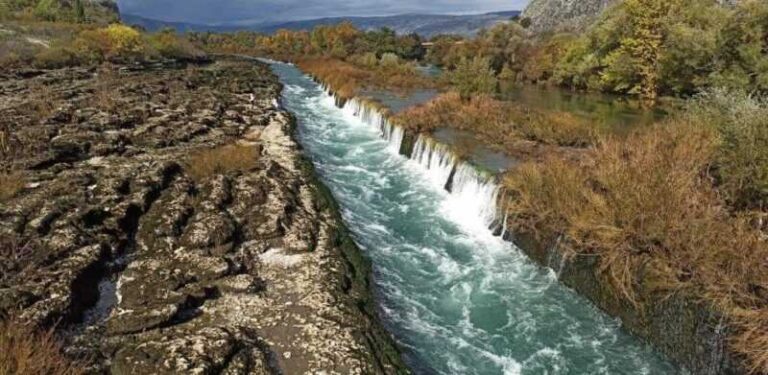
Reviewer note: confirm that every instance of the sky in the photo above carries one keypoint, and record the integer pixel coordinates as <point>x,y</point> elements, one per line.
<point>220,11</point>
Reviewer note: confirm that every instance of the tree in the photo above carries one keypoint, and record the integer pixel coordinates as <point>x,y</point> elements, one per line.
<point>79,11</point>
<point>473,77</point>
<point>743,49</point>
<point>48,10</point>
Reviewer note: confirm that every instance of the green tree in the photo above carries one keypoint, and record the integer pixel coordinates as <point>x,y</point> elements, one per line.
<point>741,165</point>
<point>473,77</point>
<point>79,11</point>
<point>743,49</point>
<point>641,49</point>
<point>48,10</point>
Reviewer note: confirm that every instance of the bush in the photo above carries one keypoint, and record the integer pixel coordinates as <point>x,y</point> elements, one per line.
<point>647,209</point>
<point>58,57</point>
<point>346,79</point>
<point>557,128</point>
<point>367,60</point>
<point>15,53</point>
<point>472,77</point>
<point>498,122</point>
<point>124,40</point>
<point>389,61</point>
<point>27,351</point>
<point>48,10</point>
<point>742,159</point>
<point>169,45</point>
<point>10,184</point>
<point>221,160</point>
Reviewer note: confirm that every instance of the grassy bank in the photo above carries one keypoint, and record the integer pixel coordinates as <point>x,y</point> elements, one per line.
<point>662,210</point>
<point>499,123</point>
<point>349,79</point>
<point>51,45</point>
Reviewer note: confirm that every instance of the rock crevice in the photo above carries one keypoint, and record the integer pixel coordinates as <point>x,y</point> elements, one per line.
<point>154,269</point>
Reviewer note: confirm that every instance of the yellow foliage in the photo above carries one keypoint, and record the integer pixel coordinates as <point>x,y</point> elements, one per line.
<point>124,39</point>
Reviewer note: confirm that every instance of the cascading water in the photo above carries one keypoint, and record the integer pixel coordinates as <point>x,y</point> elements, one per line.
<point>436,159</point>
<point>476,195</point>
<point>458,299</point>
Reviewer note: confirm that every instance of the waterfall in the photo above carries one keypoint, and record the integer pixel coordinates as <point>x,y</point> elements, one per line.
<point>555,259</point>
<point>394,135</point>
<point>475,193</point>
<point>436,159</point>
<point>478,193</point>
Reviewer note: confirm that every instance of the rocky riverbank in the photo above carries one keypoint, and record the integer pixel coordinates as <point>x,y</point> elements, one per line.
<point>145,265</point>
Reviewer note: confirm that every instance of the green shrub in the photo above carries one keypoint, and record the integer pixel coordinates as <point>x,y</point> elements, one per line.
<point>169,45</point>
<point>389,61</point>
<point>472,77</point>
<point>49,10</point>
<point>742,160</point>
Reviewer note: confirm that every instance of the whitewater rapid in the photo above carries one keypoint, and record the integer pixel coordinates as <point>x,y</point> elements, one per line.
<point>457,298</point>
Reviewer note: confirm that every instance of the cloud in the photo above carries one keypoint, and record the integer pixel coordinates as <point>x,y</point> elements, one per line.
<point>217,11</point>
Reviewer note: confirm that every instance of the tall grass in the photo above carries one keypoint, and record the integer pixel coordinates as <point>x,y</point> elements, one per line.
<point>221,160</point>
<point>498,122</point>
<point>10,185</point>
<point>348,79</point>
<point>24,350</point>
<point>647,207</point>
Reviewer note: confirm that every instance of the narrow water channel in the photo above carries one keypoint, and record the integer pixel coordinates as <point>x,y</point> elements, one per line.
<point>457,299</point>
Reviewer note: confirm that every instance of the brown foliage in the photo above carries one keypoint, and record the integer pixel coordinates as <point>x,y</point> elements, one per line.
<point>225,159</point>
<point>498,122</point>
<point>348,79</point>
<point>28,351</point>
<point>10,185</point>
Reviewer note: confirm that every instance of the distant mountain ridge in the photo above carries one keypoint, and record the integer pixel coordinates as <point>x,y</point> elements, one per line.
<point>426,25</point>
<point>549,15</point>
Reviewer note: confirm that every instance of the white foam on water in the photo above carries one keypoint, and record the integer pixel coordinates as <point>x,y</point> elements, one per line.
<point>474,197</point>
<point>458,298</point>
<point>436,159</point>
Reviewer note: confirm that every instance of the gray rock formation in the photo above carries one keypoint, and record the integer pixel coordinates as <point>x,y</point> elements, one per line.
<point>552,15</point>
<point>149,270</point>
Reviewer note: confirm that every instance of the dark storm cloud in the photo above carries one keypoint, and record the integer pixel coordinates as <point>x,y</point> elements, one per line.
<point>216,11</point>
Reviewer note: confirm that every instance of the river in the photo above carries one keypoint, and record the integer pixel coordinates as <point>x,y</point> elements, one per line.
<point>456,298</point>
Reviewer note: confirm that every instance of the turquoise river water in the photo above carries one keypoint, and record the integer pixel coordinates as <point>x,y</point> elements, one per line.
<point>456,298</point>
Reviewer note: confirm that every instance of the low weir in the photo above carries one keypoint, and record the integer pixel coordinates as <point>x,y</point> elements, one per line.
<point>697,342</point>
<point>454,288</point>
<point>478,190</point>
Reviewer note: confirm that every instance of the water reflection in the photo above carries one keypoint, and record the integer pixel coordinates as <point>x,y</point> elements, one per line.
<point>608,111</point>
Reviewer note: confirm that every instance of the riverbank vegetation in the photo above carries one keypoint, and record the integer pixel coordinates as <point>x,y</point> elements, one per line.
<point>676,208</point>
<point>342,56</point>
<point>55,34</point>
<point>28,351</point>
<point>348,79</point>
<point>499,123</point>
<point>645,48</point>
